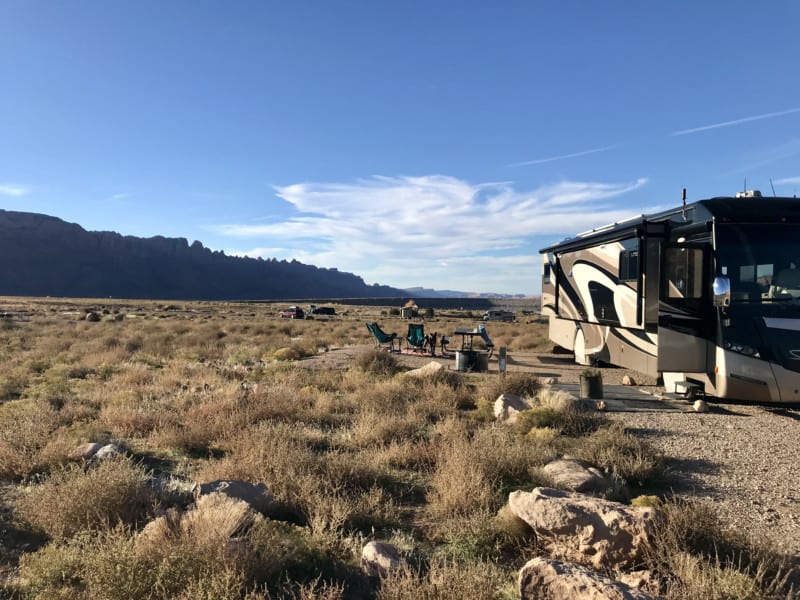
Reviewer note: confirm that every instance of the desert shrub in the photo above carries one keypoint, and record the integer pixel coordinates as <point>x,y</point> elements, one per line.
<point>374,427</point>
<point>520,384</point>
<point>12,385</point>
<point>446,580</point>
<point>704,559</point>
<point>621,454</point>
<point>71,500</point>
<point>25,429</point>
<point>541,416</point>
<point>459,484</point>
<point>377,362</point>
<point>293,352</point>
<point>570,422</point>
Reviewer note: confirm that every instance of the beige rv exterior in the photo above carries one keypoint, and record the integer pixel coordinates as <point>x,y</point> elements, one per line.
<point>641,294</point>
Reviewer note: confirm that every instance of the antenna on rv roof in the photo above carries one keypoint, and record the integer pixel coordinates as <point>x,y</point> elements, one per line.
<point>683,210</point>
<point>773,188</point>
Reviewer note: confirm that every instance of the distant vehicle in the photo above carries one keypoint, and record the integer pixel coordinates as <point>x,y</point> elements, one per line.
<point>293,312</point>
<point>321,310</point>
<point>498,315</point>
<point>706,295</point>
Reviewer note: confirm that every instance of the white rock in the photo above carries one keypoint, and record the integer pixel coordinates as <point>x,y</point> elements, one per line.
<point>508,406</point>
<point>378,558</point>
<point>628,380</point>
<point>700,406</point>
<point>431,368</point>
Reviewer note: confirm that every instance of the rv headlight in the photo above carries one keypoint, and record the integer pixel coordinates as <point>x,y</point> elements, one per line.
<point>740,348</point>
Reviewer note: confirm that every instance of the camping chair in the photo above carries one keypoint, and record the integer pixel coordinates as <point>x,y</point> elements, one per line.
<point>382,338</point>
<point>416,337</point>
<point>486,339</point>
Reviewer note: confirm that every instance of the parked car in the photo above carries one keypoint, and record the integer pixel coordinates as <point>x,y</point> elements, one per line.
<point>321,310</point>
<point>293,312</point>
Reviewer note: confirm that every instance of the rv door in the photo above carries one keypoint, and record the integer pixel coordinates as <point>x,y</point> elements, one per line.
<point>685,316</point>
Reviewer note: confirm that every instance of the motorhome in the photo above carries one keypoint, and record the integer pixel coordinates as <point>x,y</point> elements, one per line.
<point>706,295</point>
<point>498,315</point>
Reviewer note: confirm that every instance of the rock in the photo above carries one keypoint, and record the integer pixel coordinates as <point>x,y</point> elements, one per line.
<point>378,558</point>
<point>508,406</point>
<point>255,494</point>
<point>584,529</point>
<point>577,475</point>
<point>628,380</point>
<point>172,490</point>
<point>106,452</point>
<point>700,406</point>
<point>431,368</point>
<point>641,580</point>
<point>85,451</point>
<point>544,579</point>
<point>92,316</point>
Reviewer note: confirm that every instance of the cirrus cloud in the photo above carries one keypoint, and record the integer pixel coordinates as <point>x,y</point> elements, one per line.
<point>14,190</point>
<point>436,231</point>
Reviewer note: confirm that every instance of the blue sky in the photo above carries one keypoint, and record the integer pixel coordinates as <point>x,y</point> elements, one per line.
<point>412,143</point>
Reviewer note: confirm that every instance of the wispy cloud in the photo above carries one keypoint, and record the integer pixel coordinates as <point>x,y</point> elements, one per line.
<point>787,181</point>
<point>435,230</point>
<point>770,115</point>
<point>121,196</point>
<point>539,161</point>
<point>11,189</point>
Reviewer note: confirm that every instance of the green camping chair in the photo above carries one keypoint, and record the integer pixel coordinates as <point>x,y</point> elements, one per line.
<point>416,337</point>
<point>382,338</point>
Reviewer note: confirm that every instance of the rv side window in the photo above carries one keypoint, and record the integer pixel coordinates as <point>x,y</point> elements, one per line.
<point>629,265</point>
<point>683,273</point>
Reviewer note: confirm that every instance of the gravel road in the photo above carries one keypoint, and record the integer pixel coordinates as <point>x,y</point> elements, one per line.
<point>742,458</point>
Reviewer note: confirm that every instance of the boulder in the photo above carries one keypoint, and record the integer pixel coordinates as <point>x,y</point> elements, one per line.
<point>431,368</point>
<point>92,316</point>
<point>577,475</point>
<point>628,380</point>
<point>508,406</point>
<point>255,494</point>
<point>700,406</point>
<point>584,529</point>
<point>378,558</point>
<point>544,579</point>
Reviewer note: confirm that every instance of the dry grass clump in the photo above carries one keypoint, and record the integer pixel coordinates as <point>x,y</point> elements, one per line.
<point>220,549</point>
<point>26,428</point>
<point>621,454</point>
<point>474,470</point>
<point>377,362</point>
<point>71,500</point>
<point>520,384</point>
<point>446,580</point>
<point>702,559</point>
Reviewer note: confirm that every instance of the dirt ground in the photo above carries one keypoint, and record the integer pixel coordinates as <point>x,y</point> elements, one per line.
<point>547,365</point>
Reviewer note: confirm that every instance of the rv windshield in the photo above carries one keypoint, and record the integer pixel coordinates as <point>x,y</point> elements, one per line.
<point>762,261</point>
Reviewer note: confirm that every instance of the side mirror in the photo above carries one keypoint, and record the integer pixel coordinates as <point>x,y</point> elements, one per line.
<point>722,291</point>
